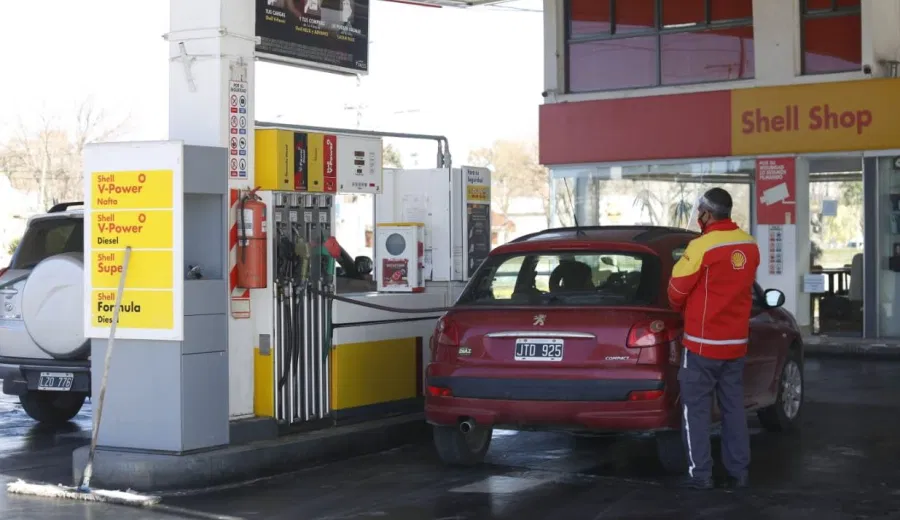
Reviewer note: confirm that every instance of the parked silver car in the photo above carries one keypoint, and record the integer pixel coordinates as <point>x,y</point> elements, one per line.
<point>44,356</point>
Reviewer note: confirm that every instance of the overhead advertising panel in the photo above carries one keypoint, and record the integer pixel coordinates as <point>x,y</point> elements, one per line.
<point>322,34</point>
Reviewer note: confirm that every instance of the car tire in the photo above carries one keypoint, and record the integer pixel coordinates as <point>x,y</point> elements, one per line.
<point>784,415</point>
<point>52,407</point>
<point>670,452</point>
<point>462,449</point>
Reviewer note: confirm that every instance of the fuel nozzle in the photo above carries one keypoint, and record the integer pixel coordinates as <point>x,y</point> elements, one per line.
<point>302,252</point>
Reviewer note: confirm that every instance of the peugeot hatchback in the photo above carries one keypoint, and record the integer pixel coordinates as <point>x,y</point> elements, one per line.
<point>570,330</point>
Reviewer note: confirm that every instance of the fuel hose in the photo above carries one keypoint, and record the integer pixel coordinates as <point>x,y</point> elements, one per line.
<point>385,308</point>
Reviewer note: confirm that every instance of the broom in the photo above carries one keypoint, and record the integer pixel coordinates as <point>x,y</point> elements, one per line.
<point>84,492</point>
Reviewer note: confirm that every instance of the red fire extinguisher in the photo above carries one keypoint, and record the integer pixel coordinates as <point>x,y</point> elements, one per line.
<point>252,247</point>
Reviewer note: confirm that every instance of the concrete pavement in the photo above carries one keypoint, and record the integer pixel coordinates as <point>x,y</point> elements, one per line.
<point>842,464</point>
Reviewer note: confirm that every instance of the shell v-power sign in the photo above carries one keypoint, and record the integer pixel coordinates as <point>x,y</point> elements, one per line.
<point>135,208</point>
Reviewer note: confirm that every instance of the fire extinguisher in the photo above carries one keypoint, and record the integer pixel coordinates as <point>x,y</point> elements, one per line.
<point>252,244</point>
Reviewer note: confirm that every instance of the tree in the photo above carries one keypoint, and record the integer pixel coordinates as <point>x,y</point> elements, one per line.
<point>47,156</point>
<point>391,157</point>
<point>11,248</point>
<point>515,172</point>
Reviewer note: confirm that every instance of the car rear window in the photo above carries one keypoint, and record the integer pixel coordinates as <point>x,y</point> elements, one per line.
<point>561,278</point>
<point>48,237</point>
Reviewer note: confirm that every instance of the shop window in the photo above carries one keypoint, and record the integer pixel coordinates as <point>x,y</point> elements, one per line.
<point>590,17</point>
<point>714,55</point>
<point>632,16</point>
<point>613,64</point>
<point>626,44</point>
<point>831,36</point>
<point>683,12</point>
<point>727,10</point>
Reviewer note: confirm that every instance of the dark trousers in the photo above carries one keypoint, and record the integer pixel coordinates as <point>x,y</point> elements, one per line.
<point>700,378</point>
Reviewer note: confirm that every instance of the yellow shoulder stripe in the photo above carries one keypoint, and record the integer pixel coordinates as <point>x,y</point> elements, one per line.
<point>696,250</point>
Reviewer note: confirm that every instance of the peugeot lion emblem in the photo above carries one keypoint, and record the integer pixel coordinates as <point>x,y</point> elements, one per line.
<point>539,320</point>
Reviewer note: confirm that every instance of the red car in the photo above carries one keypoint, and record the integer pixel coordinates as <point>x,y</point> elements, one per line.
<point>570,330</point>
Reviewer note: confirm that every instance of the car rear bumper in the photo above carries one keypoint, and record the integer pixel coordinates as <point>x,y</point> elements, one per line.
<point>22,375</point>
<point>571,404</point>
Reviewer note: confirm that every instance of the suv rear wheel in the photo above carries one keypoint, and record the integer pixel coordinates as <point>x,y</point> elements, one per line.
<point>52,407</point>
<point>462,449</point>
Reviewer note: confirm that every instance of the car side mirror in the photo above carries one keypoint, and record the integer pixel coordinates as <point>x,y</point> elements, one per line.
<point>774,298</point>
<point>364,265</point>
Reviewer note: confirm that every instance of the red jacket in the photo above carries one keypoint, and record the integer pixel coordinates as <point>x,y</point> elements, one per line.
<point>712,285</point>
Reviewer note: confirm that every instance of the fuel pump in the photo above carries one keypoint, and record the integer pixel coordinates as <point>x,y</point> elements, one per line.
<point>304,277</point>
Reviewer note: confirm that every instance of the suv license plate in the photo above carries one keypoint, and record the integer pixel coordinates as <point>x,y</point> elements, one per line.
<point>56,381</point>
<point>528,349</point>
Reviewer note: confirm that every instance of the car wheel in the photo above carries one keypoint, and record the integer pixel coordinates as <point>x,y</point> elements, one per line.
<point>670,452</point>
<point>52,407</point>
<point>784,415</point>
<point>462,449</point>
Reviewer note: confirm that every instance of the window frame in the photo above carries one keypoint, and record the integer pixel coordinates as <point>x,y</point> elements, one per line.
<point>835,11</point>
<point>657,31</point>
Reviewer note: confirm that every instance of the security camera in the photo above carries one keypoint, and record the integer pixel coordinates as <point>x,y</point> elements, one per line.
<point>545,93</point>
<point>867,70</point>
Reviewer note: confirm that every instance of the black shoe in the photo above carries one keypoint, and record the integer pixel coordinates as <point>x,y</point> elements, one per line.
<point>737,482</point>
<point>701,484</point>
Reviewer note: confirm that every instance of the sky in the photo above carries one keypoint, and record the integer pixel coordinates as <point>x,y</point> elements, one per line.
<point>474,75</point>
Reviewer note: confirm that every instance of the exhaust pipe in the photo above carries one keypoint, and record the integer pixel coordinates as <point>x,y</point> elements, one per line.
<point>467,426</point>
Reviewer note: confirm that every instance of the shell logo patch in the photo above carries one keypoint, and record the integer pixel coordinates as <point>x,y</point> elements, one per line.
<point>738,260</point>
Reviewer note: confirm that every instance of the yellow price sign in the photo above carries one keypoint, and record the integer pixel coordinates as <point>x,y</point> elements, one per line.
<point>139,309</point>
<point>132,189</point>
<point>146,269</point>
<point>477,194</point>
<point>138,229</point>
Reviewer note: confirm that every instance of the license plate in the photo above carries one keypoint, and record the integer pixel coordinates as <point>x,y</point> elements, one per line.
<point>56,381</point>
<point>528,349</point>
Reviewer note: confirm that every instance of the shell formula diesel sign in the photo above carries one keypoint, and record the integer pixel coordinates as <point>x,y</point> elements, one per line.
<point>135,208</point>
<point>848,116</point>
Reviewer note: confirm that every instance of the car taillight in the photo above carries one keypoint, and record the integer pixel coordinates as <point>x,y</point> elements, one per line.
<point>644,335</point>
<point>3,270</point>
<point>645,395</point>
<point>447,333</point>
<point>439,391</point>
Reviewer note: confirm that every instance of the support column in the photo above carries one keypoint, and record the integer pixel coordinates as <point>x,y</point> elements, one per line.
<point>776,43</point>
<point>782,215</point>
<point>880,33</point>
<point>211,43</point>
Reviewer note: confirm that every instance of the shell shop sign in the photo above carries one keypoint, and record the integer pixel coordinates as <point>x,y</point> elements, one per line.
<point>825,117</point>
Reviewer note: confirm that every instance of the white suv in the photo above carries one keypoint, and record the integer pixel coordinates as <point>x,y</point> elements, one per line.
<point>44,356</point>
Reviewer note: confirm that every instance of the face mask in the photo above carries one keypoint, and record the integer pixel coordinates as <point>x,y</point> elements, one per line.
<point>702,222</point>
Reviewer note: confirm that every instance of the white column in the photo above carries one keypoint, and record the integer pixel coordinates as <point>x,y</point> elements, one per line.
<point>209,40</point>
<point>880,32</point>
<point>802,308</point>
<point>554,48</point>
<point>776,40</point>
<point>794,245</point>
